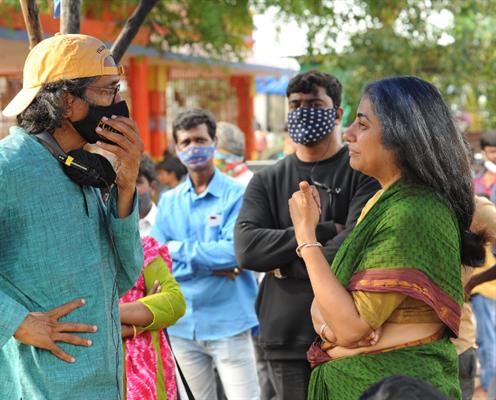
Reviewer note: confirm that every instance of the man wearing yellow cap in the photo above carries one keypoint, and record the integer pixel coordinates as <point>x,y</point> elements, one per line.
<point>65,255</point>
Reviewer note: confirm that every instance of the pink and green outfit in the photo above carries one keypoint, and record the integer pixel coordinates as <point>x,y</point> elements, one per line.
<point>149,363</point>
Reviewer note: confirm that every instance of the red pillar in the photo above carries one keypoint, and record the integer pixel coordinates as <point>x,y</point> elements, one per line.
<point>138,87</point>
<point>157,81</point>
<point>245,93</point>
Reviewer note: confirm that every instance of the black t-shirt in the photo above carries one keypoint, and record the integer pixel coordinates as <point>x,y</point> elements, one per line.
<point>264,240</point>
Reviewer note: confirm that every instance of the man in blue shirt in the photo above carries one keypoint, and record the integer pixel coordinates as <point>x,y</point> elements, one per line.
<point>196,220</point>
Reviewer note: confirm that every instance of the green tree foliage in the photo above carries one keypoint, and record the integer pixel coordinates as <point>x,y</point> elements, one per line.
<point>219,28</point>
<point>449,42</point>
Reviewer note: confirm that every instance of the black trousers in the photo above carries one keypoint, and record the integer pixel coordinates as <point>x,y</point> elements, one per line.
<point>467,364</point>
<point>290,378</point>
<point>267,391</point>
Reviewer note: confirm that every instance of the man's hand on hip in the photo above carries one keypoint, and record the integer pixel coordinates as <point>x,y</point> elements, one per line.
<point>42,330</point>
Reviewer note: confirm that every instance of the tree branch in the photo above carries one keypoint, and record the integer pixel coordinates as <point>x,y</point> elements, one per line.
<point>32,22</point>
<point>70,16</point>
<point>131,28</point>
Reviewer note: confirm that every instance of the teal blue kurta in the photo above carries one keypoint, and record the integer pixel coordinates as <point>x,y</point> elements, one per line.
<point>54,248</point>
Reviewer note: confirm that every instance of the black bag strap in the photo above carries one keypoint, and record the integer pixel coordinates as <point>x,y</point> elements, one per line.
<point>183,379</point>
<point>51,145</point>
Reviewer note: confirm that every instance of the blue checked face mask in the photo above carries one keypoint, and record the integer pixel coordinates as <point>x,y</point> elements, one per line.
<point>196,156</point>
<point>310,125</point>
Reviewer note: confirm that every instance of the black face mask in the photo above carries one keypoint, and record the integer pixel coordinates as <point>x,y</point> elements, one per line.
<point>86,127</point>
<point>99,173</point>
<point>83,167</point>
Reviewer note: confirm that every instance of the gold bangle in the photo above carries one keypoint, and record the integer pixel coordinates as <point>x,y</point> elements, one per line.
<point>303,245</point>
<point>134,332</point>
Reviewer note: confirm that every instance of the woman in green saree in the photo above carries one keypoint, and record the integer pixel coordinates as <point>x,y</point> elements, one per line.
<point>393,295</point>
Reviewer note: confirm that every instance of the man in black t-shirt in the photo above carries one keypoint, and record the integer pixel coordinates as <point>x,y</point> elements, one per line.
<point>264,235</point>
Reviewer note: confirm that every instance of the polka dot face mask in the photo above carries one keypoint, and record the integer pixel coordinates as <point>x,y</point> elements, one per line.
<point>310,125</point>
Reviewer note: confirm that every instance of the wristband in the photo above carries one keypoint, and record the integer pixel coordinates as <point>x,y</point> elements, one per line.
<point>134,332</point>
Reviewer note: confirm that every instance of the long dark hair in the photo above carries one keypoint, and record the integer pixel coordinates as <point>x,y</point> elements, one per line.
<point>418,127</point>
<point>47,112</point>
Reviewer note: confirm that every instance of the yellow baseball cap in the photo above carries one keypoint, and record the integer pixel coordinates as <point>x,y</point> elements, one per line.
<point>60,57</point>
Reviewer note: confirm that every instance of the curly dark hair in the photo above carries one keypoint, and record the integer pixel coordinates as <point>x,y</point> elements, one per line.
<point>310,81</point>
<point>46,111</point>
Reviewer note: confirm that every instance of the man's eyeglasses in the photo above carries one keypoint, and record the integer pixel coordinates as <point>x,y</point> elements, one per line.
<point>109,91</point>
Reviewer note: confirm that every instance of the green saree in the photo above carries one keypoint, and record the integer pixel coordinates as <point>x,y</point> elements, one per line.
<point>408,242</point>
